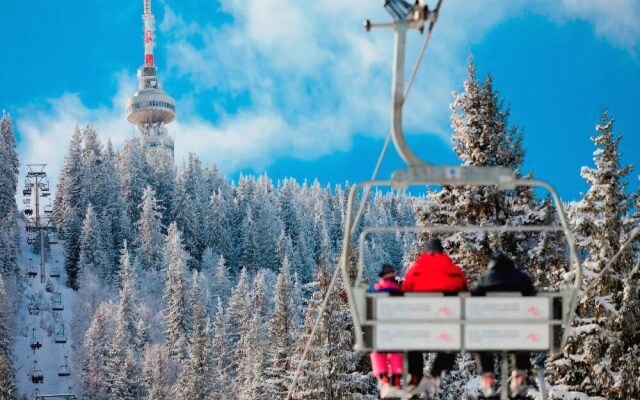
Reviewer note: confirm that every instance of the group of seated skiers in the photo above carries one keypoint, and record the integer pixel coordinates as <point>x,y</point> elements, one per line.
<point>434,271</point>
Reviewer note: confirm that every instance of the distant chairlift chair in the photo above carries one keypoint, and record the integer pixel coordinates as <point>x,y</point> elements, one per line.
<point>64,369</point>
<point>60,337</point>
<point>37,376</point>
<point>56,302</point>
<point>55,272</point>
<point>32,272</point>
<point>33,308</point>
<point>36,343</point>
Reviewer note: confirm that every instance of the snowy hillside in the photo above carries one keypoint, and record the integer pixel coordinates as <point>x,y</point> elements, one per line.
<point>49,326</point>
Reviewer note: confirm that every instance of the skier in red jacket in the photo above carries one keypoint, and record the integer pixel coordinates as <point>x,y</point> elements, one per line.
<point>433,271</point>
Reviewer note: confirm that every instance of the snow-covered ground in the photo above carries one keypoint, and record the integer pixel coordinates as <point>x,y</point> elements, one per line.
<point>46,326</point>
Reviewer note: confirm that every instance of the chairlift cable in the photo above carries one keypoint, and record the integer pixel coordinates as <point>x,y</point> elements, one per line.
<point>436,13</point>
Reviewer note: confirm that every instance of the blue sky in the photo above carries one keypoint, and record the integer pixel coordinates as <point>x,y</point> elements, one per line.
<point>299,89</point>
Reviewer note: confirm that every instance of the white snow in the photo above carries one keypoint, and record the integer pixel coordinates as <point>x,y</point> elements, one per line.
<point>51,355</point>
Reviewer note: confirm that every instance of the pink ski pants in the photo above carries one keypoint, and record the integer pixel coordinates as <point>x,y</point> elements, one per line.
<point>386,363</point>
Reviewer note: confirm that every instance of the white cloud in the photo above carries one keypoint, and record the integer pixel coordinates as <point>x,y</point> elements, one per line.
<point>616,20</point>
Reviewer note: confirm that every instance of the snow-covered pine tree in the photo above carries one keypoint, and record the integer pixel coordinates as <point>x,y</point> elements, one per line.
<point>9,170</point>
<point>115,208</point>
<point>253,366</point>
<point>219,235</point>
<point>126,324</point>
<point>599,346</point>
<point>134,177</point>
<point>177,313</point>
<point>8,387</point>
<point>222,352</point>
<point>68,206</point>
<point>285,249</point>
<point>191,208</point>
<point>93,256</point>
<point>238,314</point>
<point>93,173</point>
<point>156,372</point>
<point>547,257</point>
<point>267,223</point>
<point>284,334</point>
<point>128,383</point>
<point>220,287</point>
<point>197,375</point>
<point>69,186</point>
<point>149,241</point>
<point>7,374</point>
<point>97,351</point>
<point>481,137</point>
<point>162,176</point>
<point>330,370</point>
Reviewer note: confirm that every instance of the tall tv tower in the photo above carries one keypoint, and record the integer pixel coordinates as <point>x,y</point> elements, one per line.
<point>151,108</point>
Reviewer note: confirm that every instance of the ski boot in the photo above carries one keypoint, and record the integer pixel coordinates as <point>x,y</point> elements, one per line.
<point>488,387</point>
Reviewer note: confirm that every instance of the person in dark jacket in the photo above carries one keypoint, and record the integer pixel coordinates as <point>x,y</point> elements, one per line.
<point>503,276</point>
<point>433,271</point>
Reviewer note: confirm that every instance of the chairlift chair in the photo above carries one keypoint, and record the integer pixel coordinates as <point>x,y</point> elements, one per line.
<point>56,302</point>
<point>60,337</point>
<point>36,344</point>
<point>33,309</point>
<point>47,209</point>
<point>64,369</point>
<point>28,211</point>
<point>52,237</point>
<point>31,240</point>
<point>32,272</point>
<point>54,272</point>
<point>413,322</point>
<point>26,192</point>
<point>36,375</point>
<point>26,201</point>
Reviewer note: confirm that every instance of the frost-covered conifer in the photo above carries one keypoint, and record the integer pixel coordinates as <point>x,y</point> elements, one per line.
<point>330,370</point>
<point>9,249</point>
<point>7,374</point>
<point>149,241</point>
<point>222,353</point>
<point>93,256</point>
<point>126,324</point>
<point>177,313</point>
<point>481,137</point>
<point>96,348</point>
<point>7,379</point>
<point>134,177</point>
<point>283,332</point>
<point>197,375</point>
<point>94,180</point>
<point>238,314</point>
<point>598,350</point>
<point>156,372</point>
<point>220,282</point>
<point>219,235</point>
<point>128,383</point>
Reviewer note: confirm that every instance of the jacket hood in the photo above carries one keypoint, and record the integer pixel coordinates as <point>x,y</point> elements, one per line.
<point>501,262</point>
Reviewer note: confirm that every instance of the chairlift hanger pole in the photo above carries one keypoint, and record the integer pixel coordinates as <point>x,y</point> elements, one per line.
<point>405,19</point>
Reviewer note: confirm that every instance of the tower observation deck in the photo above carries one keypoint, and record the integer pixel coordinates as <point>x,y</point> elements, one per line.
<point>151,108</point>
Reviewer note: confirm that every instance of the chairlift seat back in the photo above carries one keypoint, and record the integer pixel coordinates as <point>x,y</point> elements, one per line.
<point>434,322</point>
